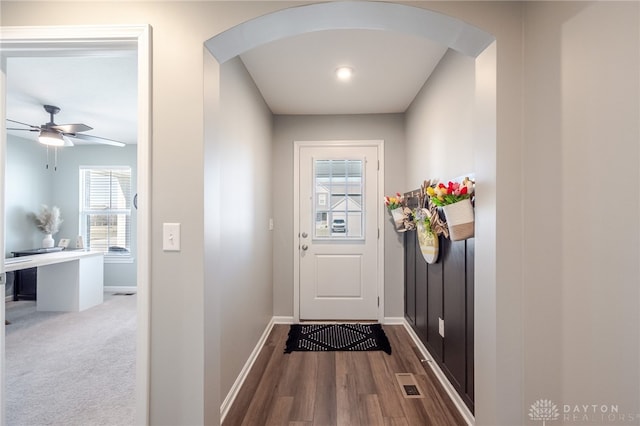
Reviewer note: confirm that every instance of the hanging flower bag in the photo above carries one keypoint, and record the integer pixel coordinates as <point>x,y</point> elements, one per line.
<point>459,219</point>
<point>398,218</point>
<point>455,201</point>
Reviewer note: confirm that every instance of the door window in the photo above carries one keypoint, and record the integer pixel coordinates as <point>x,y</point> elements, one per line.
<point>338,199</point>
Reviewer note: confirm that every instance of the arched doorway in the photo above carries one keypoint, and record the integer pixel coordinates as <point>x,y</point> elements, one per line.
<point>452,32</point>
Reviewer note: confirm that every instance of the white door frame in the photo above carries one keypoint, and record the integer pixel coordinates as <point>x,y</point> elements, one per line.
<point>379,144</point>
<point>81,41</point>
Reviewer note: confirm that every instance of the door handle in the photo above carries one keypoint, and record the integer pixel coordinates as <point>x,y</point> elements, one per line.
<point>304,247</point>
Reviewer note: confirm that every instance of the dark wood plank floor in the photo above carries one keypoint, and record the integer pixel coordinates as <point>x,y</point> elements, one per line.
<point>339,388</point>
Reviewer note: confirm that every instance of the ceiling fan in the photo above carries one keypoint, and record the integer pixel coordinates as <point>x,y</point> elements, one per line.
<point>58,135</point>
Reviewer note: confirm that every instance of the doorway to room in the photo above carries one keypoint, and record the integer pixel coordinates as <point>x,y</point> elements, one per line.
<point>79,41</point>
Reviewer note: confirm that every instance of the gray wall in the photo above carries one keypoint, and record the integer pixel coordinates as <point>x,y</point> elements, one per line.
<point>388,127</point>
<point>30,184</point>
<point>582,130</point>
<point>440,123</point>
<point>245,198</point>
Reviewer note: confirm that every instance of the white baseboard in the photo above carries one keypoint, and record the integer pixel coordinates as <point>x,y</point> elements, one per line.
<point>394,321</point>
<point>283,320</point>
<point>448,387</point>
<point>120,289</point>
<point>233,392</point>
<point>107,289</point>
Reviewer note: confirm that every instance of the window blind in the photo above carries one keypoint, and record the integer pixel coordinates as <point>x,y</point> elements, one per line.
<point>105,209</point>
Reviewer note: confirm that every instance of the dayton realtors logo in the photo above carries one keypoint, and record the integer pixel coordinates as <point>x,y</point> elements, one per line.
<point>543,410</point>
<point>546,410</point>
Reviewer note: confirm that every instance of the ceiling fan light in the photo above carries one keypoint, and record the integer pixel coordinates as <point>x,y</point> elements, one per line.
<point>51,138</point>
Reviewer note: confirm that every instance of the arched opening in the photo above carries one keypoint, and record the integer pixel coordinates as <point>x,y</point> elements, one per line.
<point>449,31</point>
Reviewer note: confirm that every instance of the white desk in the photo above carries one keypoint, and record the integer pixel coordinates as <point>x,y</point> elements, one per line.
<point>67,280</point>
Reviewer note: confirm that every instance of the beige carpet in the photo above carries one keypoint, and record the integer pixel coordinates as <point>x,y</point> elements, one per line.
<point>65,368</point>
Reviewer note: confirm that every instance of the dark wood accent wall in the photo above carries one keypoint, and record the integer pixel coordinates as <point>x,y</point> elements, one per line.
<point>443,290</point>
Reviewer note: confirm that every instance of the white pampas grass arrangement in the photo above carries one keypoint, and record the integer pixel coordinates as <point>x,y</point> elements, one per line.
<point>48,220</point>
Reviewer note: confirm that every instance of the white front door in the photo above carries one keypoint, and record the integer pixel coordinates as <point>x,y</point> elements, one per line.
<point>338,232</point>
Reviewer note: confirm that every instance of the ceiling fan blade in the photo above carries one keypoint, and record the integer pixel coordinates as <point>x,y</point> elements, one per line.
<point>71,128</point>
<point>25,130</point>
<point>67,141</point>
<point>97,139</point>
<point>24,124</point>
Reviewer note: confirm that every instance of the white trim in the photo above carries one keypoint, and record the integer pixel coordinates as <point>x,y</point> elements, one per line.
<point>3,151</point>
<point>91,41</point>
<point>451,32</point>
<point>283,320</point>
<point>237,385</point>
<point>379,144</point>
<point>296,237</point>
<point>381,223</point>
<point>446,384</point>
<point>143,364</point>
<point>394,321</point>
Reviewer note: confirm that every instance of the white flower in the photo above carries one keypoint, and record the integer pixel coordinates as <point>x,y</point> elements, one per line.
<point>48,220</point>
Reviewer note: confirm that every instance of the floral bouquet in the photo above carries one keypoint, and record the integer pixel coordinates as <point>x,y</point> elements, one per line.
<point>394,202</point>
<point>48,221</point>
<point>442,195</point>
<point>455,200</point>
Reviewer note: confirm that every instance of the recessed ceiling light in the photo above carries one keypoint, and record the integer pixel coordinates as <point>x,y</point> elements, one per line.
<point>344,73</point>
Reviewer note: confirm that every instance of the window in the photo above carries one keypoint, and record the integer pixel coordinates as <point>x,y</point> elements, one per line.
<point>105,210</point>
<point>338,187</point>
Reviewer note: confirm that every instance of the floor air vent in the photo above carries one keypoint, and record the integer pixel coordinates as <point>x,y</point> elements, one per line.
<point>408,385</point>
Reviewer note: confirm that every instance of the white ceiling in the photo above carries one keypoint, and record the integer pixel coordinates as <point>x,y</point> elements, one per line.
<point>99,91</point>
<point>295,76</point>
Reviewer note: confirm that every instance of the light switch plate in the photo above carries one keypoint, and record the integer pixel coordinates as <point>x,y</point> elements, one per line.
<point>171,237</point>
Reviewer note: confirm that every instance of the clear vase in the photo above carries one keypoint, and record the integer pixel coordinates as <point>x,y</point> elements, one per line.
<point>47,241</point>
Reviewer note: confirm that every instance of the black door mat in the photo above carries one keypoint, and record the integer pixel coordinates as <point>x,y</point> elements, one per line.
<point>337,337</point>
